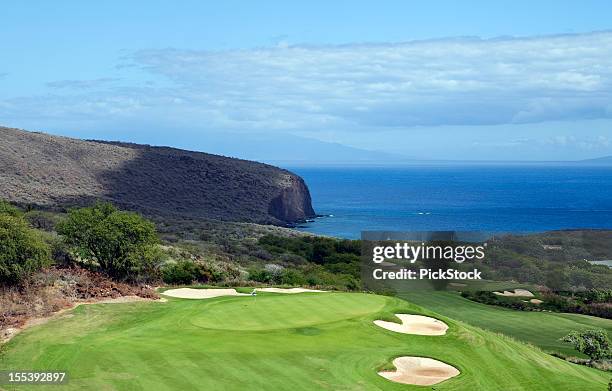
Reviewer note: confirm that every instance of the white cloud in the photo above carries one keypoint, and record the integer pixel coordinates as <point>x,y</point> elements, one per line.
<point>362,87</point>
<point>82,84</point>
<point>465,81</point>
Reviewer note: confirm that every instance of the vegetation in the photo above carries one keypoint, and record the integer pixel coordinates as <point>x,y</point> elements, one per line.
<point>593,343</point>
<point>22,250</point>
<point>121,243</point>
<point>309,260</point>
<point>9,210</point>
<point>595,302</point>
<point>274,341</point>
<point>558,259</point>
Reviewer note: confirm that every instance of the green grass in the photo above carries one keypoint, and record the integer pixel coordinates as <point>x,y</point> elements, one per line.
<point>273,342</point>
<point>542,329</point>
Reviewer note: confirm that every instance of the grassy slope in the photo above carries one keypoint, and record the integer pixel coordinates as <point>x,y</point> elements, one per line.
<point>542,329</point>
<point>280,342</point>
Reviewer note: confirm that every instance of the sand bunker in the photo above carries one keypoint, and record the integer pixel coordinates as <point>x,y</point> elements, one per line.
<point>288,290</point>
<point>415,324</point>
<point>516,293</point>
<point>536,301</point>
<point>420,371</point>
<point>190,293</point>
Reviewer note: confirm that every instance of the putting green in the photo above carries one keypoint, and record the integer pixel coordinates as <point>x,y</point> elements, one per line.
<point>285,312</point>
<point>273,342</point>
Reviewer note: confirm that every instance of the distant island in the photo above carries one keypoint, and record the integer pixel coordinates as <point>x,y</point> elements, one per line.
<point>604,161</point>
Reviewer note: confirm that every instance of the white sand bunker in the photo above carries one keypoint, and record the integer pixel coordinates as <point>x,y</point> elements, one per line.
<point>536,301</point>
<point>190,293</point>
<point>415,324</point>
<point>288,290</point>
<point>516,293</point>
<point>420,371</point>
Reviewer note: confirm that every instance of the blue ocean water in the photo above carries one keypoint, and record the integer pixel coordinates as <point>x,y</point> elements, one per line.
<point>461,198</point>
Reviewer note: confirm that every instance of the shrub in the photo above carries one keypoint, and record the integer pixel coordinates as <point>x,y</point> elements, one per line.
<point>41,220</point>
<point>292,277</point>
<point>22,250</point>
<point>186,272</point>
<point>118,241</point>
<point>593,343</point>
<point>261,275</point>
<point>8,209</point>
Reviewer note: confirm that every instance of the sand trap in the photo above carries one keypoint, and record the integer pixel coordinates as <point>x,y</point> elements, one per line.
<point>536,301</point>
<point>288,290</point>
<point>415,324</point>
<point>516,293</point>
<point>420,371</point>
<point>190,293</point>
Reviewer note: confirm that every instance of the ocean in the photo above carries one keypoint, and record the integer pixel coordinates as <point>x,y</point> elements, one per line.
<point>517,198</point>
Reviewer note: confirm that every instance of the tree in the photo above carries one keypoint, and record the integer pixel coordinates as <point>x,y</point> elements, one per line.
<point>22,250</point>
<point>593,343</point>
<point>118,241</point>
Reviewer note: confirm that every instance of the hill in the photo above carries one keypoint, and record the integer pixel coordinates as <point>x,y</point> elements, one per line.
<point>52,171</point>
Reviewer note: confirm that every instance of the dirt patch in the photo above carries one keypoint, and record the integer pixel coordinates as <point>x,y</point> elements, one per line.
<point>57,289</point>
<point>190,293</point>
<point>415,324</point>
<point>420,371</point>
<point>516,293</point>
<point>288,290</point>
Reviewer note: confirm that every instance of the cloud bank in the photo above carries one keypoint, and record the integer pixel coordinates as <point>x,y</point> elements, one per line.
<point>361,87</point>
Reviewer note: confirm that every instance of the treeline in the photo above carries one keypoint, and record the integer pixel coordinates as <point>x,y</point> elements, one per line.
<point>594,302</point>
<point>122,245</point>
<point>126,247</point>
<point>310,260</point>
<point>557,260</point>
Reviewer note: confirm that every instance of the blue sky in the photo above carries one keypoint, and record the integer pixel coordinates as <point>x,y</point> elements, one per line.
<point>513,80</point>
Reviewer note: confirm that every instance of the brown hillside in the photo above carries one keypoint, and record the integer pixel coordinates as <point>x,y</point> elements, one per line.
<point>52,171</point>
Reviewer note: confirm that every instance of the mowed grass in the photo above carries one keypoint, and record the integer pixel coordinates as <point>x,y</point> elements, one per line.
<point>543,329</point>
<point>273,342</point>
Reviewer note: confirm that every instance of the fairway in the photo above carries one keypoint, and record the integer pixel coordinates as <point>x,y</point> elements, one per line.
<point>274,342</point>
<point>542,329</point>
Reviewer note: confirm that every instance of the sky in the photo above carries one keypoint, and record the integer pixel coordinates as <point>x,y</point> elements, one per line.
<point>473,80</point>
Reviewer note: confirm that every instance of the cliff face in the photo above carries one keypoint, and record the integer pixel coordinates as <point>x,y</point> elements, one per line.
<point>56,171</point>
<point>293,203</point>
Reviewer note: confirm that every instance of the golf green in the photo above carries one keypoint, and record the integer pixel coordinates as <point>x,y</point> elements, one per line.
<point>273,342</point>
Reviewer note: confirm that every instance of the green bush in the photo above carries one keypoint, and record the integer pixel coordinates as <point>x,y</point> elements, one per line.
<point>261,275</point>
<point>120,242</point>
<point>292,277</point>
<point>8,209</point>
<point>22,250</point>
<point>593,343</point>
<point>185,272</point>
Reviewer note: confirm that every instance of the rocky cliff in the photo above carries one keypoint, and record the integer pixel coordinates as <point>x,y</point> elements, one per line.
<point>52,171</point>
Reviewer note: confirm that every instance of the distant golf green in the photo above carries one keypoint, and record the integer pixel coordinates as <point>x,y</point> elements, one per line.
<point>273,342</point>
<point>542,329</point>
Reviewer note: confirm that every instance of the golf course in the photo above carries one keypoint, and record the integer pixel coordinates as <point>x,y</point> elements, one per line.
<point>276,341</point>
<point>542,329</point>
